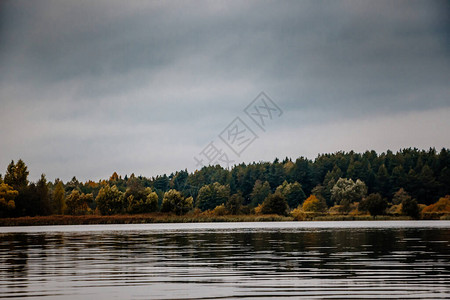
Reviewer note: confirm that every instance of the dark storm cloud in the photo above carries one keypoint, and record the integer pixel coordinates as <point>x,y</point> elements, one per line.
<point>111,74</point>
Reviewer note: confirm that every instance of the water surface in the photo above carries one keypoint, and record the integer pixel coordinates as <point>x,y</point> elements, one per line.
<point>323,260</point>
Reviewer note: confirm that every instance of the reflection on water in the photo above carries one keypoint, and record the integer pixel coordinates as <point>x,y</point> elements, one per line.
<point>221,263</point>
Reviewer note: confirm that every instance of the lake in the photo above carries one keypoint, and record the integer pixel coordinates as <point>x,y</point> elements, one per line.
<point>275,260</point>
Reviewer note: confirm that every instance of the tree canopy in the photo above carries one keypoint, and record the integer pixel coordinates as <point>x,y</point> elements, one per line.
<point>403,178</point>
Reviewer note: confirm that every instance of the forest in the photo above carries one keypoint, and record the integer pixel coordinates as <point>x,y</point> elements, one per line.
<point>410,182</point>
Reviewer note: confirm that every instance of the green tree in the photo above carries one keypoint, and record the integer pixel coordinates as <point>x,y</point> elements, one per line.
<point>174,201</point>
<point>319,191</point>
<point>44,196</point>
<point>275,204</point>
<point>260,192</point>
<point>59,199</point>
<point>212,195</point>
<point>161,183</point>
<point>293,193</point>
<point>397,179</point>
<point>302,171</point>
<point>234,204</point>
<point>374,204</point>
<point>17,175</point>
<point>346,191</point>
<point>146,204</point>
<point>382,181</point>
<point>77,204</point>
<point>110,201</point>
<point>428,189</point>
<point>329,181</point>
<point>138,199</point>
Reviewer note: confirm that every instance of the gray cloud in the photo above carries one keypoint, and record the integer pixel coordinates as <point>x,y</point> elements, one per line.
<point>89,88</point>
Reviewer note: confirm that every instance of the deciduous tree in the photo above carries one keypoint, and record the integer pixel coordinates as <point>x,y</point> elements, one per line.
<point>275,204</point>
<point>314,204</point>
<point>147,201</point>
<point>174,201</point>
<point>234,203</point>
<point>77,204</point>
<point>260,192</point>
<point>59,199</point>
<point>7,196</point>
<point>346,191</point>
<point>212,195</point>
<point>293,193</point>
<point>110,201</point>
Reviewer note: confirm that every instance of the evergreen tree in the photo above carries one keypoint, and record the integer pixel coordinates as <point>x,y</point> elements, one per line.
<point>44,196</point>
<point>17,175</point>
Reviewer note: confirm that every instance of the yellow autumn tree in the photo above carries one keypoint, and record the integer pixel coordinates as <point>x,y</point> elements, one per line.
<point>7,196</point>
<point>313,204</point>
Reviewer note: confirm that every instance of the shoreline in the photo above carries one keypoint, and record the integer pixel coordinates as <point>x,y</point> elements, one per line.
<point>164,218</point>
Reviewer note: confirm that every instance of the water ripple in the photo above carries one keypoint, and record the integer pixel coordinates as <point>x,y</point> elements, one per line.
<point>321,263</point>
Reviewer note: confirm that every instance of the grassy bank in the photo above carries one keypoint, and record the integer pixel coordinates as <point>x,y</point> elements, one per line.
<point>195,218</point>
<point>135,219</point>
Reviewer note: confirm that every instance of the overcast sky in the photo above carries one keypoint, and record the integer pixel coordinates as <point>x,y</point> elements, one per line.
<point>87,89</point>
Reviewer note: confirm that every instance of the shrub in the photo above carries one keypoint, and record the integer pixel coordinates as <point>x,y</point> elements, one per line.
<point>275,204</point>
<point>298,214</point>
<point>442,205</point>
<point>410,208</point>
<point>220,210</point>
<point>374,204</point>
<point>313,204</point>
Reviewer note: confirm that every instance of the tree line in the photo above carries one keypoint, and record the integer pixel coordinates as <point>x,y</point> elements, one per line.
<point>402,182</point>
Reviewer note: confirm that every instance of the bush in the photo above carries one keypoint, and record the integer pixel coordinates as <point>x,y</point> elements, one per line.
<point>374,204</point>
<point>298,214</point>
<point>275,204</point>
<point>410,208</point>
<point>146,205</point>
<point>220,210</point>
<point>442,205</point>
<point>395,210</point>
